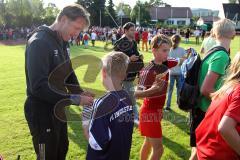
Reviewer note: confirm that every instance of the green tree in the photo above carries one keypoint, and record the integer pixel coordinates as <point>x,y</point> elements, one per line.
<point>2,11</point>
<point>23,12</point>
<point>140,13</point>
<point>111,14</point>
<point>232,1</point>
<point>126,8</point>
<point>51,12</point>
<point>144,7</point>
<point>96,8</point>
<point>85,3</point>
<point>155,2</point>
<point>195,19</point>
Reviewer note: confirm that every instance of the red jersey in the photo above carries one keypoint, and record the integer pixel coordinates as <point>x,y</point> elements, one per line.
<point>136,36</point>
<point>145,36</point>
<point>85,37</point>
<point>210,144</point>
<point>147,78</point>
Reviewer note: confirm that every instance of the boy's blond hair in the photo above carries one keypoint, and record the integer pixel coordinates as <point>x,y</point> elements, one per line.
<point>223,28</point>
<point>160,39</point>
<point>116,64</point>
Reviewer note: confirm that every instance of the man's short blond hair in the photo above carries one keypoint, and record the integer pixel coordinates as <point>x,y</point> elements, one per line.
<point>74,11</point>
<point>223,28</point>
<point>116,64</point>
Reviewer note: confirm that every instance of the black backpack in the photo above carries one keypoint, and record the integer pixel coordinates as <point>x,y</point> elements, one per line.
<point>190,90</point>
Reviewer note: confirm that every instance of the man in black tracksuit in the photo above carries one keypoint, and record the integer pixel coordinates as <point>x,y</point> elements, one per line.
<point>128,45</point>
<point>52,83</point>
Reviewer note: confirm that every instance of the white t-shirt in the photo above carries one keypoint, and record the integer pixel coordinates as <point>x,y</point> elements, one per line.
<point>114,37</point>
<point>93,36</point>
<point>178,32</point>
<point>154,32</point>
<point>197,33</point>
<point>150,36</point>
<point>28,30</point>
<point>176,53</point>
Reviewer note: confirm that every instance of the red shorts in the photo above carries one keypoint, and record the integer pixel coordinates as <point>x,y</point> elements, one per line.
<point>150,122</point>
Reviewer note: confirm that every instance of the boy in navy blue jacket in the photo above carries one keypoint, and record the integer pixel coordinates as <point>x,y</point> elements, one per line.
<point>111,125</point>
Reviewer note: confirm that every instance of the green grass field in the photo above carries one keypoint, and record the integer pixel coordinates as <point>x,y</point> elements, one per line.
<point>15,138</point>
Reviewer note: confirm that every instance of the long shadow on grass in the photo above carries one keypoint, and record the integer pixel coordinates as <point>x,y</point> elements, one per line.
<point>75,123</point>
<point>193,42</point>
<point>77,135</point>
<point>178,120</point>
<point>178,149</point>
<point>96,48</point>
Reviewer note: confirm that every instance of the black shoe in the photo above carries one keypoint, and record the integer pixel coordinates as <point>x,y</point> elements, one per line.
<point>167,109</point>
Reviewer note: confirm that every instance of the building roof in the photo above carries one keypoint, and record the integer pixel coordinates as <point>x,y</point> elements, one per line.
<point>231,10</point>
<point>200,9</point>
<point>164,13</point>
<point>204,12</point>
<point>209,19</point>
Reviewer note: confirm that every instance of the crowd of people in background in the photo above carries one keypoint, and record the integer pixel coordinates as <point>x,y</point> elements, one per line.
<point>15,33</point>
<point>142,34</point>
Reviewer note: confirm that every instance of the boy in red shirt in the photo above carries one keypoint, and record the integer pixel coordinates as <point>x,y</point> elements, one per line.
<point>218,135</point>
<point>137,37</point>
<point>85,39</point>
<point>153,82</point>
<point>145,40</point>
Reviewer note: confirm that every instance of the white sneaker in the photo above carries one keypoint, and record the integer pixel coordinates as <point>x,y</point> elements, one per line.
<point>136,122</point>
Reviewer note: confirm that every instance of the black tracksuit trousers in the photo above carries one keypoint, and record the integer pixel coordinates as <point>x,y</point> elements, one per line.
<point>46,129</point>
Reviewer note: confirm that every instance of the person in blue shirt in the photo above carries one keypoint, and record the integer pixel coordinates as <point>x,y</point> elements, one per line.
<point>111,124</point>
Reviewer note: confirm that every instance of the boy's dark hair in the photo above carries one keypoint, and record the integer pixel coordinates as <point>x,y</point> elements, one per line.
<point>128,25</point>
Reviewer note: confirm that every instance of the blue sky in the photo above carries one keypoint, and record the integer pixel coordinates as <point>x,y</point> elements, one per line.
<point>209,4</point>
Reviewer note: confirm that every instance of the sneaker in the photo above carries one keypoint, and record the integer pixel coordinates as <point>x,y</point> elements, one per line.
<point>136,122</point>
<point>167,109</point>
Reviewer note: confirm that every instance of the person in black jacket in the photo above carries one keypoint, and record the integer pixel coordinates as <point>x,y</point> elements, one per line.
<point>128,45</point>
<point>52,83</point>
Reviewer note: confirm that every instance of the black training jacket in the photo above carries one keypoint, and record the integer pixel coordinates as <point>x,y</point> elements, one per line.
<point>49,74</point>
<point>129,48</point>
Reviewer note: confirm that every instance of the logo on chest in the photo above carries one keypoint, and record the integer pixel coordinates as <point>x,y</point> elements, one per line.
<point>55,52</point>
<point>68,52</point>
